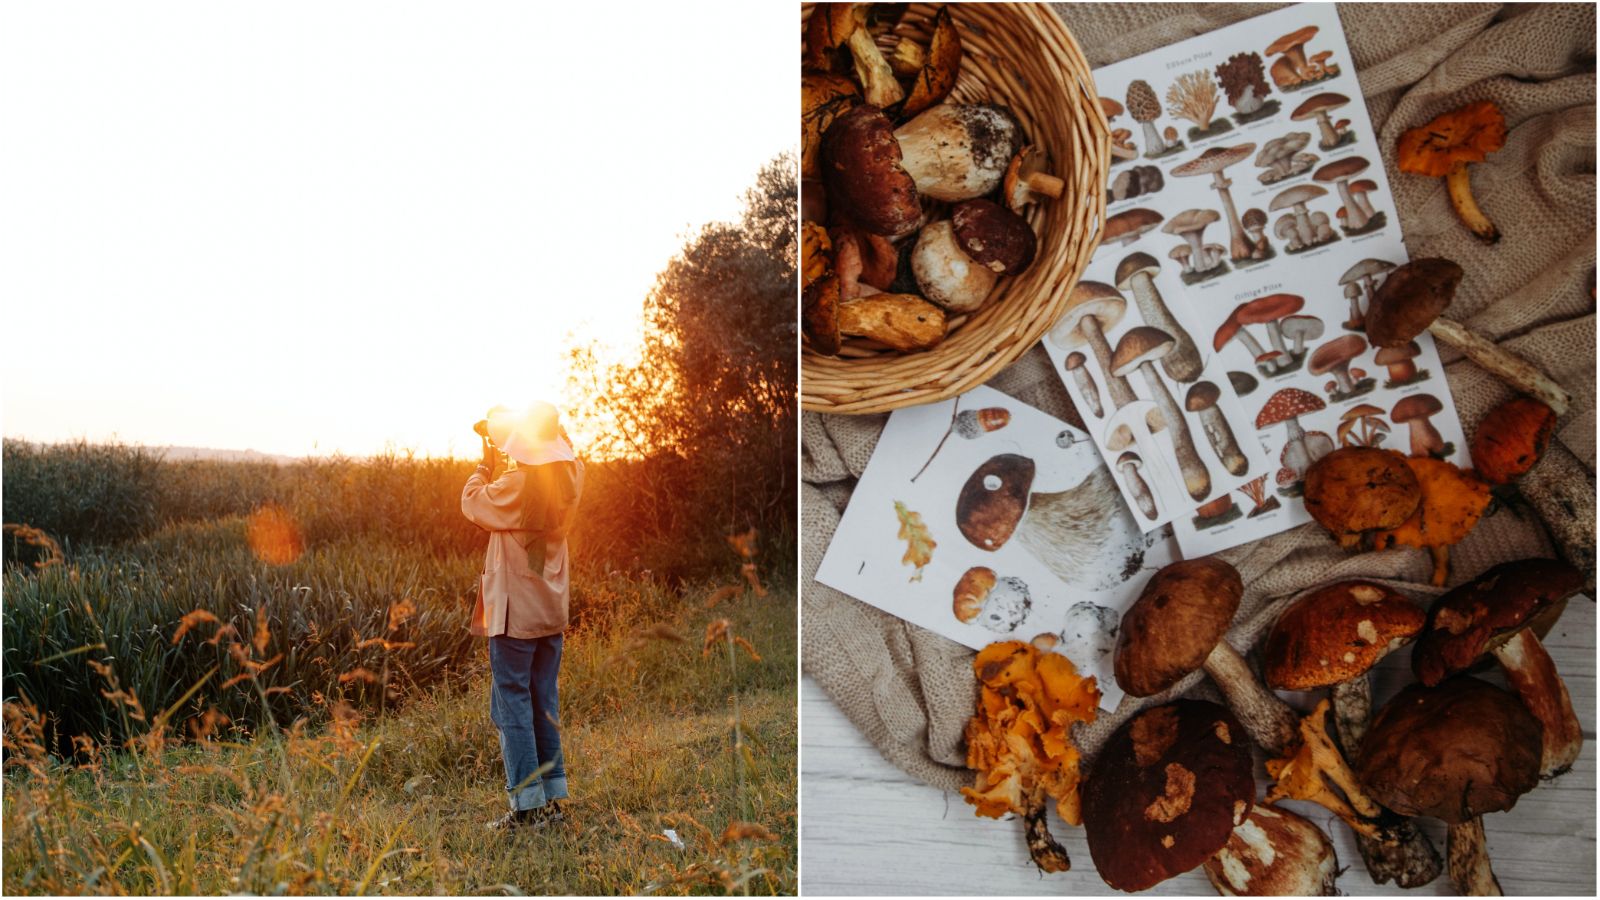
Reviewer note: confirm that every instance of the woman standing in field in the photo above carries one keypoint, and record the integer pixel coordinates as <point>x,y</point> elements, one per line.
<point>523,597</point>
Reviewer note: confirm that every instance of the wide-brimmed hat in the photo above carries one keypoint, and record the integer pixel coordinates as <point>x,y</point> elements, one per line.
<point>531,436</point>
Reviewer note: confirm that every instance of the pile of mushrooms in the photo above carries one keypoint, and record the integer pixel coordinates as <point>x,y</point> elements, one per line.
<point>882,152</point>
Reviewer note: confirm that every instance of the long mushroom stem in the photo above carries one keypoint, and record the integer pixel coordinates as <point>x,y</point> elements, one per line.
<point>1270,721</point>
<point>1459,181</point>
<point>1195,477</point>
<point>1183,362</point>
<point>1410,860</point>
<point>1116,385</point>
<point>1469,860</point>
<point>1220,434</point>
<point>1240,246</point>
<point>1047,853</point>
<point>1532,675</point>
<point>1045,183</point>
<point>1315,768</point>
<point>1516,371</point>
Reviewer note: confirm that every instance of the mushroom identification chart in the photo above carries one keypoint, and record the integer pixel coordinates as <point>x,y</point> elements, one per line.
<point>984,519</point>
<point>1248,224</point>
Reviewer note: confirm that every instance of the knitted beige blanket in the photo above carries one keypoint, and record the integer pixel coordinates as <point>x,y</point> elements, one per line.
<point>911,691</point>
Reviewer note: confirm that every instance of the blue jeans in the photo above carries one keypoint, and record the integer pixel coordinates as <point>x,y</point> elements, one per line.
<point>524,706</point>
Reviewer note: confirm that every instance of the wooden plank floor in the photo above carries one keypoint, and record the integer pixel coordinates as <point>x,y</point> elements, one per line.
<point>867,828</point>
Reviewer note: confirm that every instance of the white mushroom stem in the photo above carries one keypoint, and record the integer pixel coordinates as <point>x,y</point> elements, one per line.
<point>1469,860</point>
<point>1532,674</point>
<point>1330,135</point>
<point>1140,490</point>
<point>1302,225</point>
<point>1256,350</point>
<point>1195,477</point>
<point>1275,335</point>
<point>1270,721</point>
<point>1044,183</point>
<point>1361,202</point>
<point>1153,144</point>
<point>1086,387</point>
<point>1513,369</point>
<point>1238,245</point>
<point>1183,362</point>
<point>1296,456</point>
<point>1116,386</point>
<point>1353,294</point>
<point>1341,376</point>
<point>1354,215</point>
<point>1220,434</point>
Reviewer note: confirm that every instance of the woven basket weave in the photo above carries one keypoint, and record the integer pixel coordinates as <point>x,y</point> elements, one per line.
<point>1021,56</point>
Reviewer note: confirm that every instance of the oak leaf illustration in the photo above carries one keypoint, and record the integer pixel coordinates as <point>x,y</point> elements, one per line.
<point>919,543</point>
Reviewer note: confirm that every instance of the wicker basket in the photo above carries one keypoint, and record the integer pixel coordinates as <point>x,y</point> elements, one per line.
<point>1022,56</point>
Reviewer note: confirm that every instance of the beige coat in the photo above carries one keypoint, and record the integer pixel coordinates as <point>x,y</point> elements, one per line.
<point>527,512</point>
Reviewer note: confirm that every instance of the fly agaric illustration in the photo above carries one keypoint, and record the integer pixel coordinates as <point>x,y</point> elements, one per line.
<point>1274,853</point>
<point>1357,220</point>
<point>1191,225</point>
<point>904,322</point>
<point>823,98</point>
<point>1362,425</point>
<point>839,30</point>
<point>1446,146</point>
<point>1136,272</point>
<point>1356,491</point>
<point>1202,400</point>
<point>1216,512</point>
<point>1292,70</point>
<point>1085,382</point>
<point>1093,308</point>
<point>1281,157</point>
<point>1364,276</point>
<point>1020,741</point>
<point>1453,500</point>
<point>1306,233</point>
<point>1511,439</point>
<point>959,151</point>
<point>1139,348</point>
<point>1401,362</point>
<point>1082,534</point>
<point>1212,162</point>
<point>1128,226</point>
<point>1243,77</point>
<point>1498,613</point>
<point>1256,490</point>
<point>1415,411</point>
<point>934,75</point>
<point>1411,300</point>
<point>862,167</point>
<point>1320,107</point>
<point>1334,358</point>
<point>1255,228</point>
<point>998,604</point>
<point>1145,108</point>
<point>1286,407</point>
<point>1453,752</point>
<point>1026,180</point>
<point>1193,96</point>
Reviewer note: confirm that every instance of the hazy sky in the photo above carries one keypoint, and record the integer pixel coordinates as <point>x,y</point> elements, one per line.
<point>305,227</point>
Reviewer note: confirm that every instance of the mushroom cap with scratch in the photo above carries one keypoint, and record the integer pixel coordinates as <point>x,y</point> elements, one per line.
<point>1410,298</point>
<point>1270,308</point>
<point>1416,406</point>
<point>1317,104</point>
<point>1337,633</point>
<point>1132,265</point>
<point>1088,299</point>
<point>1214,160</point>
<point>1184,610</point>
<point>1191,220</point>
<point>1341,168</point>
<point>1365,269</point>
<point>1300,193</point>
<point>1388,356</point>
<point>1130,224</point>
<point>1166,792</point>
<point>1291,40</point>
<point>994,499</point>
<point>1452,752</point>
<point>1140,344</point>
<point>1203,395</point>
<point>1336,352</point>
<point>1275,853</point>
<point>1475,617</point>
<point>1286,404</point>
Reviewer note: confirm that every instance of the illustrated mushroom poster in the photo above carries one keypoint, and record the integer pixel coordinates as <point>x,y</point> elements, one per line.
<point>1248,223</point>
<point>984,519</point>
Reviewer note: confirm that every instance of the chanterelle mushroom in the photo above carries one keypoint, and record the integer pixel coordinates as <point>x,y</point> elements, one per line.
<point>1354,491</point>
<point>1453,499</point>
<point>1446,146</point>
<point>1313,768</point>
<point>1275,853</point>
<point>1167,791</point>
<point>836,25</point>
<point>1495,614</point>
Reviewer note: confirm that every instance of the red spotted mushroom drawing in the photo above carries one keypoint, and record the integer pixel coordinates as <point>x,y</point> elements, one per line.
<point>1301,449</point>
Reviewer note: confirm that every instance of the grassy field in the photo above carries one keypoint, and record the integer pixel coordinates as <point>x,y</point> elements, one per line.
<point>189,711</point>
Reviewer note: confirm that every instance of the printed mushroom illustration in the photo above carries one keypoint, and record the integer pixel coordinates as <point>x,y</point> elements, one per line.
<point>959,151</point>
<point>1128,464</point>
<point>832,28</point>
<point>1179,625</point>
<point>1243,383</point>
<point>1332,637</point>
<point>1305,226</point>
<point>934,76</point>
<point>1256,490</point>
<point>1359,190</point>
<point>1497,614</point>
<point>1181,254</point>
<point>1401,362</point>
<point>1357,220</point>
<point>1085,382</point>
<point>1292,69</point>
<point>998,604</point>
<point>1319,107</point>
<point>1134,182</point>
<point>1026,180</point>
<point>1136,272</point>
<point>1130,431</point>
<point>1511,439</point>
<point>1088,634</point>
<point>1166,792</point>
<point>1286,407</point>
<point>1145,108</point>
<point>1243,78</point>
<point>1190,225</point>
<point>1128,226</point>
<point>1300,330</point>
<point>1122,148</point>
<point>1202,400</point>
<point>1362,426</point>
<point>993,236</point>
<point>904,322</point>
<point>1446,146</point>
<point>1415,411</point>
<point>1216,512</point>
<point>1453,500</point>
<point>1273,311</point>
<point>1411,300</point>
<point>1334,358</point>
<point>1355,492</point>
<point>1281,157</point>
<point>1275,853</point>
<point>1139,347</point>
<point>1193,96</point>
<point>1364,277</point>
<point>862,167</point>
<point>1213,162</point>
<point>1255,228</point>
<point>1093,308</point>
<point>1453,752</point>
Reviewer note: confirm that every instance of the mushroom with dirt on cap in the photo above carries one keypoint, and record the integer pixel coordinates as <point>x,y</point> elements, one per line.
<point>1415,411</point>
<point>832,28</point>
<point>1319,107</point>
<point>1190,225</point>
<point>1281,157</point>
<point>1128,226</point>
<point>1401,363</point>
<point>959,151</point>
<point>1411,300</point>
<point>1136,272</point>
<point>1202,400</point>
<point>1364,277</point>
<point>1446,146</point>
<point>1213,162</point>
<point>998,604</point>
<point>1275,853</point>
<point>1081,376</point>
<point>862,167</point>
<point>1305,226</point>
<point>981,235</point>
<point>1453,752</point>
<point>1334,358</point>
<point>1092,309</point>
<point>1145,108</point>
<point>1286,407</point>
<point>1498,614</point>
<point>1357,220</point>
<point>1139,348</point>
<point>1355,492</point>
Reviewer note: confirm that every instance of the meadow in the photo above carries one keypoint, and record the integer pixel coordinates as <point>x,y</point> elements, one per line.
<point>246,677</point>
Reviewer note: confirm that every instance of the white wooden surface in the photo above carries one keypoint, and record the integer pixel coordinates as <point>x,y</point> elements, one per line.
<point>867,828</point>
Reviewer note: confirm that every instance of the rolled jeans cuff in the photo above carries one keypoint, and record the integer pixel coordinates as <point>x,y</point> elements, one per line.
<point>539,793</point>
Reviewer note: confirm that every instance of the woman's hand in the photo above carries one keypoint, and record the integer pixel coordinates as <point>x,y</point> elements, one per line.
<point>490,455</point>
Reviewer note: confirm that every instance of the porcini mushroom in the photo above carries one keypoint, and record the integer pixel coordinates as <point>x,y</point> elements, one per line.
<point>936,77</point>
<point>1496,613</point>
<point>1145,108</point>
<point>1339,172</point>
<point>1085,382</point>
<point>862,169</point>
<point>1286,407</point>
<point>959,151</point>
<point>1401,363</point>
<point>1453,752</point>
<point>1511,438</point>
<point>823,98</point>
<point>1364,276</point>
<point>1166,792</point>
<point>1213,162</point>
<point>1093,308</point>
<point>903,322</point>
<point>998,604</point>
<point>833,26</point>
<point>1202,400</point>
<point>993,236</point>
<point>1412,299</point>
<point>1139,347</point>
<point>1190,225</point>
<point>945,274</point>
<point>1281,157</point>
<point>1446,146</point>
<point>1319,107</point>
<point>1335,357</point>
<point>1415,411</point>
<point>1275,853</point>
<point>1354,491</point>
<point>1295,199</point>
<point>1178,625</point>
<point>1129,225</point>
<point>1026,180</point>
<point>1453,499</point>
<point>1136,272</point>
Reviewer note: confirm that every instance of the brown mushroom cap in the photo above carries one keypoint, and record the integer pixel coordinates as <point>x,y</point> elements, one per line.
<point>1410,298</point>
<point>820,314</point>
<point>1471,620</point>
<point>1286,404</point>
<point>994,236</point>
<point>1203,395</point>
<point>1291,40</point>
<point>1361,410</point>
<point>1453,752</point>
<point>994,499</point>
<point>1168,632</point>
<point>1075,360</point>
<point>1339,350</point>
<point>1316,104</point>
<point>1110,107</point>
<point>971,591</point>
<point>1336,633</point>
<point>1166,792</point>
<point>1341,168</point>
<point>1139,344</point>
<point>1133,264</point>
<point>1254,218</point>
<point>1358,489</point>
<point>1088,299</point>
<point>1388,356</point>
<point>1416,406</point>
<point>1028,161</point>
<point>1295,195</point>
<point>1214,160</point>
<point>861,169</point>
<point>1190,220</point>
<point>1130,223</point>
